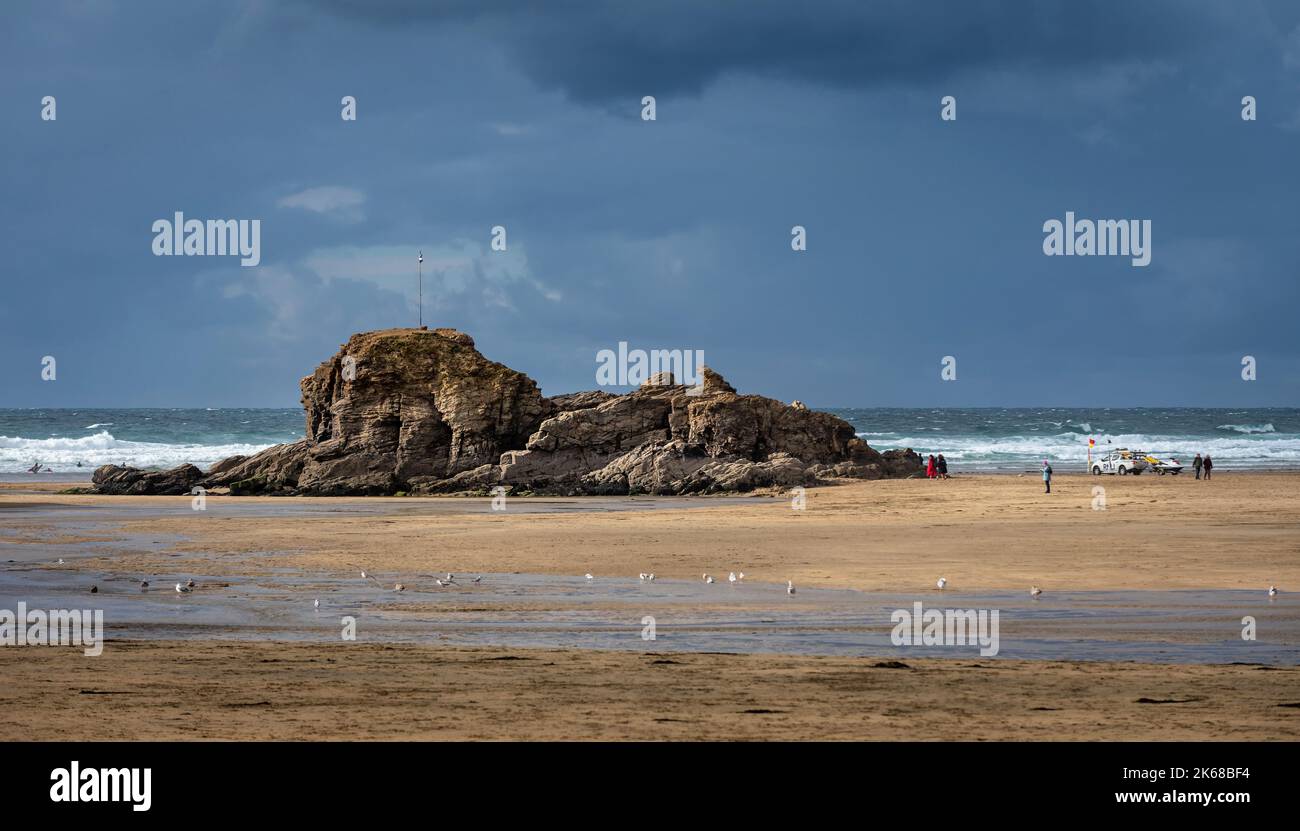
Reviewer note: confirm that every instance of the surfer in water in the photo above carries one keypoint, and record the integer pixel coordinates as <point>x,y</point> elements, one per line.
<point>36,468</point>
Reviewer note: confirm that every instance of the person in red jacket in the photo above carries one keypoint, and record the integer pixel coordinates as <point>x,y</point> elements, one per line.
<point>929,467</point>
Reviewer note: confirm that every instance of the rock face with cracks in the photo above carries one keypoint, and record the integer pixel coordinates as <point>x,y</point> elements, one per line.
<point>419,411</point>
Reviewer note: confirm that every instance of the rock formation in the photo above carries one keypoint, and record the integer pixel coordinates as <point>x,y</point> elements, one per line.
<point>129,480</point>
<point>418,411</point>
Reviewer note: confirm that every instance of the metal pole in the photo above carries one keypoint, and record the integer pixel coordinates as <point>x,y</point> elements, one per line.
<point>420,269</point>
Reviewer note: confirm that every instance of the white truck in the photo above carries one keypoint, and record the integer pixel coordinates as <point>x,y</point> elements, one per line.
<point>1122,462</point>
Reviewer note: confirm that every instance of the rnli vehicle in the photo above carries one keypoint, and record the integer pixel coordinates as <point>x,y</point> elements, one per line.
<point>1121,462</point>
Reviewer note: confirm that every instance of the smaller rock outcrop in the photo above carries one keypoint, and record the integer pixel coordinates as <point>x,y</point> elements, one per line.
<point>113,479</point>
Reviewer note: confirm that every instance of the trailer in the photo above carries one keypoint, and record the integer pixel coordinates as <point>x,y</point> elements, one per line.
<point>1163,466</point>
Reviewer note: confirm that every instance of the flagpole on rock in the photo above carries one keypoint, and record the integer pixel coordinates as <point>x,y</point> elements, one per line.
<point>420,270</point>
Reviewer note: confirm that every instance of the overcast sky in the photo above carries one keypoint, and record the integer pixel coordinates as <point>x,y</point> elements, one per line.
<point>925,237</point>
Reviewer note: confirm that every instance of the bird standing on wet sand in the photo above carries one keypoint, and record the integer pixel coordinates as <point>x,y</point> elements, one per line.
<point>316,603</point>
<point>1034,591</point>
<point>731,578</point>
<point>189,584</point>
<point>943,581</point>
<point>144,584</point>
<point>642,576</point>
<point>183,589</point>
<point>588,576</point>
<point>94,589</point>
<point>398,587</point>
<point>708,579</point>
<point>1272,591</point>
<point>650,578</point>
<point>789,587</point>
<point>478,579</point>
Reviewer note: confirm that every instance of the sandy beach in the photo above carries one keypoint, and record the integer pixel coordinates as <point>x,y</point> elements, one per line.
<point>207,690</point>
<point>984,533</point>
<point>1239,531</point>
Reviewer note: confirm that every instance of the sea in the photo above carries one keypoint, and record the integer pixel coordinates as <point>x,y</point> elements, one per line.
<point>71,441</point>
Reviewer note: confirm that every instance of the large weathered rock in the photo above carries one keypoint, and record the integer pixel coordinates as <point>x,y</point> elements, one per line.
<point>423,412</point>
<point>405,407</point>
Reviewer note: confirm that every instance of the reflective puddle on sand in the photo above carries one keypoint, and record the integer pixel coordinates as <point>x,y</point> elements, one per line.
<point>524,610</point>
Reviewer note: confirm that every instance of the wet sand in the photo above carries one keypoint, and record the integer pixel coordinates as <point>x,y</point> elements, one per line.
<point>548,612</point>
<point>223,690</point>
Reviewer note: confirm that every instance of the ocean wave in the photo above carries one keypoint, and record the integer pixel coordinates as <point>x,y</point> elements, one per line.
<point>990,452</point>
<point>1247,428</point>
<point>66,454</point>
<point>98,424</point>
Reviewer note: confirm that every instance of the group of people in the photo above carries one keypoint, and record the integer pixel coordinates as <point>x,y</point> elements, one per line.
<point>1200,464</point>
<point>936,468</point>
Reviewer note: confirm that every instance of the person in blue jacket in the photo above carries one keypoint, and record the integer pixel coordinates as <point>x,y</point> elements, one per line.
<point>1047,477</point>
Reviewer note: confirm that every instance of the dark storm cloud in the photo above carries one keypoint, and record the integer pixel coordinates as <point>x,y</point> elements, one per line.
<point>924,235</point>
<point>599,51</point>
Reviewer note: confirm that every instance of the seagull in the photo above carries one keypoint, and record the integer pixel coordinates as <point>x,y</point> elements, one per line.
<point>370,577</point>
<point>1034,591</point>
<point>740,576</point>
<point>478,579</point>
<point>60,561</point>
<point>441,583</point>
<point>943,581</point>
<point>450,577</point>
<point>144,584</point>
<point>1272,591</point>
<point>183,589</point>
<point>731,578</point>
<point>643,576</point>
<point>398,587</point>
<point>588,576</point>
<point>94,589</point>
<point>789,587</point>
<point>650,577</point>
<point>707,578</point>
<point>316,603</point>
<point>189,584</point>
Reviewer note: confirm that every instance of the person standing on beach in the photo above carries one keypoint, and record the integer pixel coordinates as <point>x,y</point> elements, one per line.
<point>1207,464</point>
<point>941,464</point>
<point>1196,465</point>
<point>1047,477</point>
<point>929,468</point>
